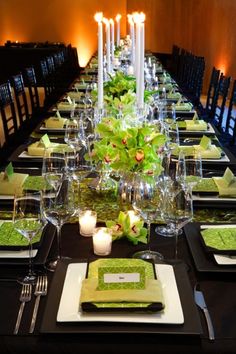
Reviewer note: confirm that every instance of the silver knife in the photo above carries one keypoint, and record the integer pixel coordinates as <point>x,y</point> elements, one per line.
<point>200,301</point>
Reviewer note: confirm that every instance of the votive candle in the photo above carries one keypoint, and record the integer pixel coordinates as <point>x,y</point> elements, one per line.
<point>87,222</point>
<point>102,241</point>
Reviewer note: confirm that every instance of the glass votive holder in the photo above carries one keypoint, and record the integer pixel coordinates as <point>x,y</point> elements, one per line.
<point>102,241</point>
<point>87,222</point>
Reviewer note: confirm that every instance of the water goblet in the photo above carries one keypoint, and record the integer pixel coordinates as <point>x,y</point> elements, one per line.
<point>146,202</point>
<point>58,207</point>
<point>178,209</point>
<point>28,221</point>
<point>189,170</point>
<point>53,167</point>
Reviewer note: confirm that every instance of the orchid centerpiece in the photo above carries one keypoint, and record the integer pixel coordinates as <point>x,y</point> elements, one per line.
<point>135,149</point>
<point>120,93</point>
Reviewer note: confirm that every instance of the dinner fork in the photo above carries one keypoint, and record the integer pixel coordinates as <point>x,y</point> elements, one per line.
<point>40,290</point>
<point>25,296</point>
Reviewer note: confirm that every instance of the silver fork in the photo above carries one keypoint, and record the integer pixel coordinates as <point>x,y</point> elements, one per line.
<point>25,296</point>
<point>40,290</point>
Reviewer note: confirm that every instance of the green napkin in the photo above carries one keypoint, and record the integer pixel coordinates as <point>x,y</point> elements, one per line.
<point>36,183</point>
<point>37,148</point>
<point>125,298</point>
<point>183,106</point>
<point>213,152</point>
<point>174,95</point>
<point>196,125</point>
<point>11,237</point>
<point>55,122</point>
<point>64,106</point>
<point>168,87</point>
<point>74,95</point>
<point>152,293</point>
<point>224,189</point>
<point>205,185</point>
<point>13,184</point>
<point>220,239</point>
<point>187,150</point>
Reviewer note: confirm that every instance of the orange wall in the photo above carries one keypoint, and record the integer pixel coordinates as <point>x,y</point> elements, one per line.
<point>69,21</point>
<point>205,27</point>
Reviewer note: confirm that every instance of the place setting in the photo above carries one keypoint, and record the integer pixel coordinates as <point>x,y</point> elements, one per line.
<point>212,246</point>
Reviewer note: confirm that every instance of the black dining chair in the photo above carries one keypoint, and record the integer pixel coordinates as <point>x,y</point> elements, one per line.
<point>23,115</point>
<point>228,131</point>
<point>207,111</point>
<point>13,132</point>
<point>33,91</point>
<point>219,101</point>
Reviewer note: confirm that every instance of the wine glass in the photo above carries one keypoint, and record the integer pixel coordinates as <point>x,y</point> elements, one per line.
<point>53,167</point>
<point>189,170</point>
<point>165,180</point>
<point>28,221</point>
<point>178,209</point>
<point>58,206</point>
<point>146,202</point>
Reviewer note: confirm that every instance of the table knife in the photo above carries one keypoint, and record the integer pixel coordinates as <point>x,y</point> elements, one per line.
<point>200,301</point>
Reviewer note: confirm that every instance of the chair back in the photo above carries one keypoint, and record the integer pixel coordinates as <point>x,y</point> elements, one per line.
<point>21,99</point>
<point>218,105</point>
<point>230,127</point>
<point>31,82</point>
<point>211,93</point>
<point>8,113</point>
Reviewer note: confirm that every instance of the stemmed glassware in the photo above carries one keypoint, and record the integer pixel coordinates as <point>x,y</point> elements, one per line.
<point>53,167</point>
<point>178,209</point>
<point>189,170</point>
<point>28,221</point>
<point>58,206</point>
<point>146,202</point>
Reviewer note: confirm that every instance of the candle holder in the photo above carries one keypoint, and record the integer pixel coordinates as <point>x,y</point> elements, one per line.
<point>87,222</point>
<point>102,241</point>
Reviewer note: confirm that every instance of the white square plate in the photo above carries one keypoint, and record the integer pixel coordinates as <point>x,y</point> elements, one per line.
<point>69,310</point>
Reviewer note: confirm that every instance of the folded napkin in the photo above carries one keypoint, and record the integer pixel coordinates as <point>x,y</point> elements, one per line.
<point>168,87</point>
<point>10,237</point>
<point>196,125</point>
<point>184,106</point>
<point>149,298</point>
<point>151,293</point>
<point>35,183</point>
<point>212,152</point>
<point>80,85</point>
<point>37,148</point>
<point>13,185</point>
<point>75,95</point>
<point>55,122</point>
<point>221,239</point>
<point>205,185</point>
<point>174,95</point>
<point>187,150</point>
<point>224,189</point>
<point>65,106</point>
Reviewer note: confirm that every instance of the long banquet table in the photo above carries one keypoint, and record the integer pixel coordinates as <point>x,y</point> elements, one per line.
<point>217,283</point>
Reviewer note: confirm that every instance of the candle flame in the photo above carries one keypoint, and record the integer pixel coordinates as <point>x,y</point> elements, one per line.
<point>139,17</point>
<point>98,17</point>
<point>106,21</point>
<point>111,21</point>
<point>118,17</point>
<point>130,19</point>
<point>136,17</point>
<point>142,17</point>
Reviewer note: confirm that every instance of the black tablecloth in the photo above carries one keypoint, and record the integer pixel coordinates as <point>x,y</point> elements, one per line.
<point>219,290</point>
